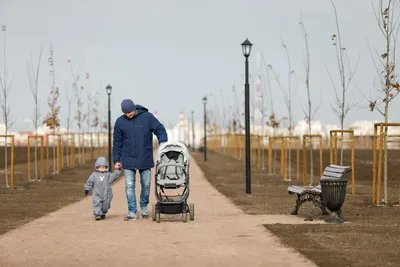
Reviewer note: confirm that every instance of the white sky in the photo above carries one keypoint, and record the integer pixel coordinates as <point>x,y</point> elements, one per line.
<point>167,54</point>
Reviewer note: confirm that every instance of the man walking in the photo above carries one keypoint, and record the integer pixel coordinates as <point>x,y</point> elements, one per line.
<point>133,150</point>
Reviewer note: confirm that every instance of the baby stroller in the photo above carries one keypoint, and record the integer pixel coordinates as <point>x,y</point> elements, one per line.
<point>172,173</point>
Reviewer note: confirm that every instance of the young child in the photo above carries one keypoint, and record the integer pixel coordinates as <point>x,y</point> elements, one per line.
<point>99,182</point>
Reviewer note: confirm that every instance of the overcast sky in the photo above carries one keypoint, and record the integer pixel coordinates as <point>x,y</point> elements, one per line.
<point>167,54</point>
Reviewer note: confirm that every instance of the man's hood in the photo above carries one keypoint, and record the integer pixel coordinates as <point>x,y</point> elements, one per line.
<point>140,109</point>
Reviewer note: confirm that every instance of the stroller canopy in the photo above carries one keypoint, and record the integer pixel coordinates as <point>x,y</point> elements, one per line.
<point>175,147</point>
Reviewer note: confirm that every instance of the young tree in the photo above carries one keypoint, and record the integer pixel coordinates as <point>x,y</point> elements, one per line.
<point>5,86</point>
<point>80,116</point>
<point>274,123</point>
<point>387,18</point>
<point>95,112</point>
<point>287,94</point>
<point>89,111</point>
<point>104,126</point>
<point>236,112</point>
<point>342,108</point>
<point>104,123</point>
<point>68,93</point>
<point>51,120</point>
<point>95,115</point>
<point>69,96</point>
<point>86,118</point>
<point>33,74</point>
<point>310,113</point>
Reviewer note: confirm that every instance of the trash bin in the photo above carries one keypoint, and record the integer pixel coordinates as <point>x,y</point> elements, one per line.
<point>334,195</point>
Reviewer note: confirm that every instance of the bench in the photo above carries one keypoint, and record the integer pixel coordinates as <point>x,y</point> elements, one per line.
<point>314,194</point>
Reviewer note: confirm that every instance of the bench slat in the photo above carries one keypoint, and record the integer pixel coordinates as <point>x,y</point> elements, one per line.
<point>296,189</point>
<point>332,174</point>
<point>299,189</point>
<point>340,167</point>
<point>335,170</point>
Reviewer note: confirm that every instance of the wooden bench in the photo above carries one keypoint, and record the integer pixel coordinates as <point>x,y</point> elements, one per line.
<point>314,194</point>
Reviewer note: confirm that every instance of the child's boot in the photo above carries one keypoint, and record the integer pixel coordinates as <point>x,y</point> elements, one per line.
<point>103,216</point>
<point>97,218</point>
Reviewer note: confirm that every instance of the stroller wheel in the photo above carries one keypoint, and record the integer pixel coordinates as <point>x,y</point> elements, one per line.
<point>158,217</point>
<point>184,217</point>
<point>154,212</point>
<point>191,211</point>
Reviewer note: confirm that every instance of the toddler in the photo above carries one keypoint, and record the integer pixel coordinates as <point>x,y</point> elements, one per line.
<point>99,182</point>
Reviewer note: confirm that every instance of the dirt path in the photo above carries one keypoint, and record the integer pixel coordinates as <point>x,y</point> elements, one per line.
<point>220,235</point>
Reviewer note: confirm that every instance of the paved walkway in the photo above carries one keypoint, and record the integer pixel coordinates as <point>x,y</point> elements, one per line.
<point>220,235</point>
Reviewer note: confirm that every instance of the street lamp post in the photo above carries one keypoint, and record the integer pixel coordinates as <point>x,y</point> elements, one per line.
<point>192,130</point>
<point>108,89</point>
<point>205,127</point>
<point>246,46</point>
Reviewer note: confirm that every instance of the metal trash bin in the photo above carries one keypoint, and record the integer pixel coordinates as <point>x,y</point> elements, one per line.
<point>334,195</point>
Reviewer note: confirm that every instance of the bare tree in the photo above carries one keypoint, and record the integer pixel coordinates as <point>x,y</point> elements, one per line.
<point>95,112</point>
<point>87,116</point>
<point>69,96</point>
<point>95,123</point>
<point>310,113</point>
<point>104,126</point>
<point>342,108</point>
<point>274,123</point>
<point>236,112</point>
<point>287,94</point>
<point>33,74</point>
<point>5,86</point>
<point>51,120</point>
<point>388,22</point>
<point>79,116</point>
<point>89,111</point>
<point>68,93</point>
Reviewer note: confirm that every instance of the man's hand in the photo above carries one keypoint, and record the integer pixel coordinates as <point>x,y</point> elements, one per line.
<point>117,165</point>
<point>86,192</point>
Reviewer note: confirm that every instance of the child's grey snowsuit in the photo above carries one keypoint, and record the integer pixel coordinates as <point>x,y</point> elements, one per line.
<point>100,185</point>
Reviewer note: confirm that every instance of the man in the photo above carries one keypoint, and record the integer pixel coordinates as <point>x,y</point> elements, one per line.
<point>133,150</point>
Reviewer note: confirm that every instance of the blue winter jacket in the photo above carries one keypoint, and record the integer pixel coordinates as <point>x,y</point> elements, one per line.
<point>133,139</point>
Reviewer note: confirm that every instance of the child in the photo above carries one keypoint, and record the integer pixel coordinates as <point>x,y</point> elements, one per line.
<point>99,182</point>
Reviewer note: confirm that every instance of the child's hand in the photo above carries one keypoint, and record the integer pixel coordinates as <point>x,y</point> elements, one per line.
<point>117,165</point>
<point>86,192</point>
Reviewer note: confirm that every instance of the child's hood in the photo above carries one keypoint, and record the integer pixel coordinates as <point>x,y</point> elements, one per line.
<point>101,161</point>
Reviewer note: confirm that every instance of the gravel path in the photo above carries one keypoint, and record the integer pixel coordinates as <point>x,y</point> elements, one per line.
<point>220,235</point>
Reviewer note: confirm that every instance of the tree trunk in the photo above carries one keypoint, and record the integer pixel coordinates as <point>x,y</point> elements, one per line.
<point>81,147</point>
<point>385,152</point>
<point>385,160</point>
<point>342,127</point>
<point>311,155</point>
<point>262,143</point>
<point>274,158</point>
<point>54,151</point>
<point>388,85</point>
<point>290,148</point>
<point>67,153</point>
<point>5,159</point>
<point>36,167</point>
